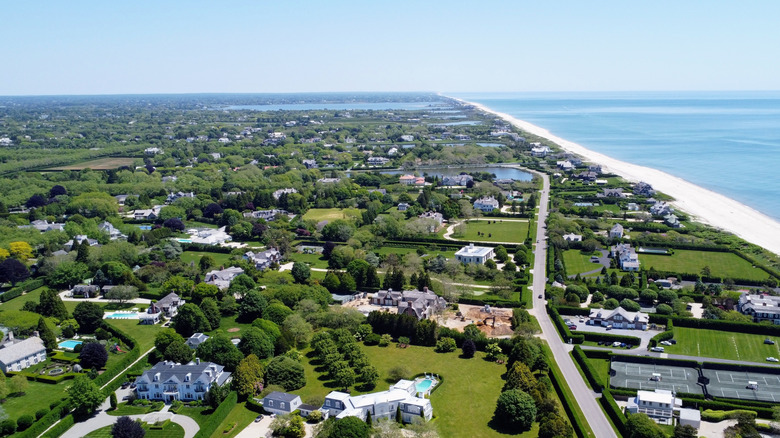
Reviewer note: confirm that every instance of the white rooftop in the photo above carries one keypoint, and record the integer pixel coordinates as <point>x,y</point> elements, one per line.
<point>471,250</point>
<point>657,396</point>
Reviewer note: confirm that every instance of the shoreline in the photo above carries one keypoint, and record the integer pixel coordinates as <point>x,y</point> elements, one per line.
<point>703,205</point>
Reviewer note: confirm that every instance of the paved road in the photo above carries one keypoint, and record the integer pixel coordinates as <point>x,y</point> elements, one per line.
<point>102,419</point>
<point>584,396</point>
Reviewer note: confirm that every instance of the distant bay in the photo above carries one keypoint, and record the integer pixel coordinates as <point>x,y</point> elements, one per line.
<point>728,142</point>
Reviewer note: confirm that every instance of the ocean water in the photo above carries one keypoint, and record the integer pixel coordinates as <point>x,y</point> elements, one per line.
<point>728,142</point>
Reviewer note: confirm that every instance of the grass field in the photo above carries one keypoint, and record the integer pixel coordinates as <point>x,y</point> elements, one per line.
<point>329,214</point>
<point>171,430</point>
<point>38,396</point>
<point>722,264</point>
<point>142,333</point>
<point>578,263</point>
<point>194,256</point>
<point>495,230</point>
<point>722,345</point>
<point>464,381</point>
<point>107,163</point>
<point>241,416</point>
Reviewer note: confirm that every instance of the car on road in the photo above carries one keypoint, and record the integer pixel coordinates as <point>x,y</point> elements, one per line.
<point>772,359</point>
<point>259,417</point>
<point>667,343</point>
<point>540,296</point>
<point>657,349</point>
<point>769,341</point>
<point>609,327</point>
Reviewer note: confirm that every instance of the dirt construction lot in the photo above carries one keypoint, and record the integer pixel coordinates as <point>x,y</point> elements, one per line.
<point>496,323</point>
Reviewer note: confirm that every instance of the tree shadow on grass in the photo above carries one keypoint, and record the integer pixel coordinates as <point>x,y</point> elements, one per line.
<point>503,428</point>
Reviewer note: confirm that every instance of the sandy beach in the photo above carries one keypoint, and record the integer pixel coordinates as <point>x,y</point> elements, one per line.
<point>703,205</point>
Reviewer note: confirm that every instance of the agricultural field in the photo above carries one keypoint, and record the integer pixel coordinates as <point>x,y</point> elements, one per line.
<point>107,163</point>
<point>721,264</point>
<point>578,263</point>
<point>722,345</point>
<point>495,230</point>
<point>331,214</point>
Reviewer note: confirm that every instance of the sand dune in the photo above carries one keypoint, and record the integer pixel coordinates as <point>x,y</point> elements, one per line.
<point>703,205</point>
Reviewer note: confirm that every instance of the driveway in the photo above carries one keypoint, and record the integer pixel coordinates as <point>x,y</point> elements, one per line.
<point>259,429</point>
<point>644,335</point>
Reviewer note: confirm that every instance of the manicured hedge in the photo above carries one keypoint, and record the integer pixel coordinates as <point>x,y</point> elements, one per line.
<point>717,416</point>
<point>252,405</point>
<point>214,420</point>
<point>593,377</point>
<point>493,302</point>
<point>655,360</point>
<point>625,392</point>
<point>575,311</point>
<point>57,412</point>
<point>558,381</point>
<point>563,329</point>
<point>763,412</point>
<point>613,411</point>
<point>598,354</point>
<point>740,367</point>
<point>727,326</point>
<point>663,336</point>
<point>25,286</point>
<point>189,246</point>
<point>60,428</point>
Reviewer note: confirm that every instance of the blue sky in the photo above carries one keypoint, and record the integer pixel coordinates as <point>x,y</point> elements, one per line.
<point>106,47</point>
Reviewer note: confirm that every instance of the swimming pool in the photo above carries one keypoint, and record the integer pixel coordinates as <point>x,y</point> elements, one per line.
<point>122,315</point>
<point>423,385</point>
<point>69,344</point>
<point>184,240</point>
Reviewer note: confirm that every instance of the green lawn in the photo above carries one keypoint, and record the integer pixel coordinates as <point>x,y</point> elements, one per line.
<point>171,430</point>
<point>721,264</point>
<point>722,345</point>
<point>329,214</point>
<point>142,333</point>
<point>125,409</point>
<point>38,396</point>
<point>241,416</point>
<point>313,260</point>
<point>18,302</point>
<point>199,414</point>
<point>578,263</point>
<point>194,256</point>
<point>495,230</point>
<point>464,382</point>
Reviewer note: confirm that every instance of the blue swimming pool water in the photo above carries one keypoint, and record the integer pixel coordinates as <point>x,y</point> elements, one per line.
<point>69,344</point>
<point>423,385</point>
<point>184,240</point>
<point>122,315</point>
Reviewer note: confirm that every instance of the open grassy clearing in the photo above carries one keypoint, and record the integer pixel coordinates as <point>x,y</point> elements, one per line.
<point>329,214</point>
<point>107,163</point>
<point>222,259</point>
<point>721,264</point>
<point>464,381</point>
<point>142,333</point>
<point>171,430</point>
<point>495,230</point>
<point>38,396</point>
<point>578,263</point>
<point>722,345</point>
<point>240,416</point>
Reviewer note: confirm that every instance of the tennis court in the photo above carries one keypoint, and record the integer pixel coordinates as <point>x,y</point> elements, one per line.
<point>734,384</point>
<point>641,376</point>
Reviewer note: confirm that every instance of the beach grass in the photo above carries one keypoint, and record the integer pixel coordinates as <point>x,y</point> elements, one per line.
<point>329,214</point>
<point>495,230</point>
<point>722,345</point>
<point>721,264</point>
<point>464,381</point>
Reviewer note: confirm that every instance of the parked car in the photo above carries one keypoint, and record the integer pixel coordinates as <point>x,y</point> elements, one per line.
<point>673,341</point>
<point>657,349</point>
<point>772,359</point>
<point>540,296</point>
<point>582,320</point>
<point>665,343</point>
<point>616,344</point>
<point>125,385</point>
<point>769,341</point>
<point>259,417</point>
<point>609,327</point>
<point>572,326</point>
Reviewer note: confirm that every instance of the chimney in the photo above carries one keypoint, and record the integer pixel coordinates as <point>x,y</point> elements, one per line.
<point>425,289</point>
<point>197,361</point>
<point>11,336</point>
<point>36,334</point>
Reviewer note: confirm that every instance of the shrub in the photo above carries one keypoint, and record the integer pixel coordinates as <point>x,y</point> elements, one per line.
<point>593,378</point>
<point>7,427</point>
<point>718,416</point>
<point>372,339</point>
<point>445,345</point>
<point>24,422</point>
<point>40,413</point>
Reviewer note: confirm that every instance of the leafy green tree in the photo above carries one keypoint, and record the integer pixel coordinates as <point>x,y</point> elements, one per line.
<point>664,309</point>
<point>46,335</point>
<point>554,426</point>
<point>332,282</point>
<point>630,305</point>
<point>84,396</point>
<point>219,349</point>
<point>211,311</point>
<point>125,427</point>
<point>642,426</point>
<point>277,312</point>
<point>520,377</point>
<point>89,316</point>
<point>286,372</point>
<point>515,409</point>
<point>202,291</point>
<point>122,294</point>
<point>501,254</point>
<point>215,395</point>
<point>248,378</point>
<point>13,271</point>
<point>166,337</point>
<point>445,345</point>
<point>17,384</point>
<point>252,306</point>
<point>179,285</point>
<point>257,342</point>
<point>269,327</point>
<point>348,427</point>
<point>206,262</point>
<point>298,328</point>
<point>189,320</point>
<point>93,355</point>
<point>178,352</point>
<point>300,272</point>
<point>241,285</point>
<point>368,376</point>
<point>67,274</point>
<point>685,431</point>
<point>51,305</point>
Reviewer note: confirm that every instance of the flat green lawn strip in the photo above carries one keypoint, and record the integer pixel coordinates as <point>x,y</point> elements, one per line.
<point>18,302</point>
<point>194,256</point>
<point>196,224</point>
<point>241,416</point>
<point>578,263</point>
<point>722,264</point>
<point>313,260</point>
<point>464,382</point>
<point>229,322</point>
<point>601,366</point>
<point>125,409</point>
<point>199,414</point>
<point>143,334</point>
<point>171,430</point>
<point>722,345</point>
<point>497,230</point>
<point>330,214</point>
<point>38,396</point>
